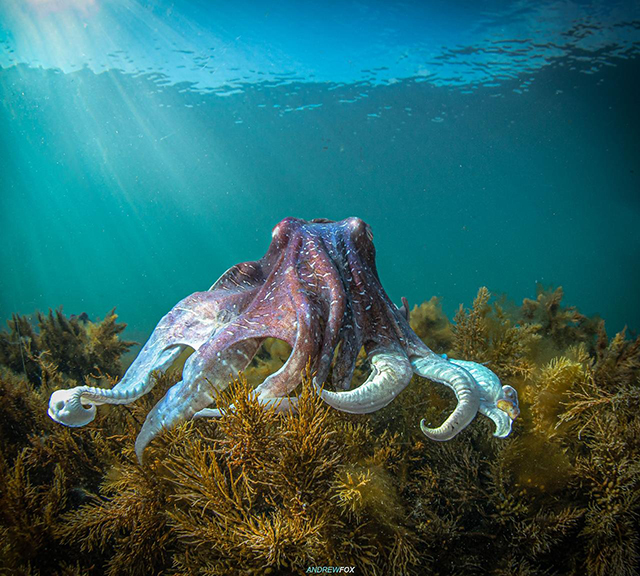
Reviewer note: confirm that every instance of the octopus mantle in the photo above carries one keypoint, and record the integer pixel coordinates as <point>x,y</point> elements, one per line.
<point>316,288</point>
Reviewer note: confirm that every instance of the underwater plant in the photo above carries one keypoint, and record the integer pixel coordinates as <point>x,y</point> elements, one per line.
<point>485,333</point>
<point>19,347</point>
<point>77,346</point>
<point>267,490</point>
<point>431,324</point>
<point>561,325</point>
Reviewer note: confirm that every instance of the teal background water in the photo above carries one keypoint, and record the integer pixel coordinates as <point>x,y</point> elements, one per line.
<point>145,147</point>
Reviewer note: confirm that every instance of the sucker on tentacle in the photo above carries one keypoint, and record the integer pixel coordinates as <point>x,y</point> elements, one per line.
<point>317,288</point>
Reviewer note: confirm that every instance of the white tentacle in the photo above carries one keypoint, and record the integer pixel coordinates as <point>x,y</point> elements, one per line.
<point>500,403</point>
<point>464,386</point>
<point>390,374</point>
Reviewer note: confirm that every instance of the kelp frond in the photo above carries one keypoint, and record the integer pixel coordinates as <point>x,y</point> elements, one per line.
<point>127,522</point>
<point>349,490</point>
<point>29,513</point>
<point>553,387</point>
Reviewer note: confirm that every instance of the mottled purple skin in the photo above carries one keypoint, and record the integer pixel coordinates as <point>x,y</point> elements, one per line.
<point>318,289</point>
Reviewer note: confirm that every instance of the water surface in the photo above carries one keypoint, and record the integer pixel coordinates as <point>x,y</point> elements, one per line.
<point>148,146</point>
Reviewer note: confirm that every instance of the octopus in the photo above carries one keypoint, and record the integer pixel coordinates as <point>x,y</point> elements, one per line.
<point>317,288</point>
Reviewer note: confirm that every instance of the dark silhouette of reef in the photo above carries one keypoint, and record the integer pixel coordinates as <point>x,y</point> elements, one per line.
<point>260,492</point>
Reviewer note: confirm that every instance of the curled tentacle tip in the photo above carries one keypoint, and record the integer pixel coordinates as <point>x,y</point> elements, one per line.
<point>141,444</point>
<point>499,417</point>
<point>503,428</point>
<point>66,407</point>
<point>432,433</point>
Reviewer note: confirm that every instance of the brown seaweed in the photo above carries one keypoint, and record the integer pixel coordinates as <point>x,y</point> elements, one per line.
<point>78,347</point>
<point>485,333</point>
<point>263,492</point>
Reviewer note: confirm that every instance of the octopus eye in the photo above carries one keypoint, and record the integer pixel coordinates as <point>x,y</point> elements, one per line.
<point>282,228</point>
<point>357,226</point>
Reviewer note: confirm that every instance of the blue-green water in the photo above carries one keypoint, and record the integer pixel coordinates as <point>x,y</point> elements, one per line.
<point>145,147</point>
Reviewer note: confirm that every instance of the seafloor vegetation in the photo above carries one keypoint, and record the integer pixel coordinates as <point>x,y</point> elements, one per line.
<point>263,493</point>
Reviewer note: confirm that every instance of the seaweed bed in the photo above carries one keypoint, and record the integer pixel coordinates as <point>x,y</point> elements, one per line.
<point>258,492</point>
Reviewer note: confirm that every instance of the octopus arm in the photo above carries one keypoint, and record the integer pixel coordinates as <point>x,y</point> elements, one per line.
<point>336,303</point>
<point>390,374</point>
<point>191,322</point>
<point>497,402</point>
<point>305,345</point>
<point>464,386</point>
<point>200,382</point>
<point>230,350</point>
<point>347,355</point>
<point>500,419</point>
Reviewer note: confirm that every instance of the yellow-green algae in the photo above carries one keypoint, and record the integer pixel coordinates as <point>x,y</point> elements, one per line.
<point>258,492</point>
